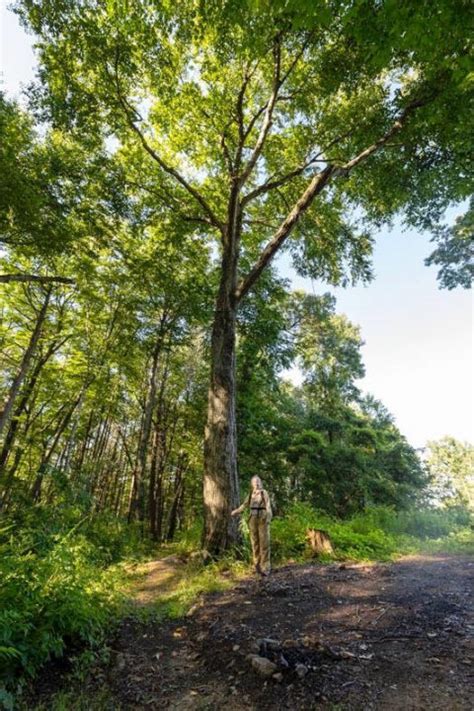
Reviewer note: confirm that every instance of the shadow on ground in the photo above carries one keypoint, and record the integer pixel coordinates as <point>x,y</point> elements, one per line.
<point>387,636</point>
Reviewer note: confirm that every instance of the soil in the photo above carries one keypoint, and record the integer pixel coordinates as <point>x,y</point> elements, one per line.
<point>395,636</point>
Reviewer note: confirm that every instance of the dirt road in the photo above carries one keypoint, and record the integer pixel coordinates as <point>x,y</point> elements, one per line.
<point>389,636</point>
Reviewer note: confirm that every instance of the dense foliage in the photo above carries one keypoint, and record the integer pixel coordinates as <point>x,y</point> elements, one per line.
<point>59,588</point>
<point>168,152</point>
<point>451,465</point>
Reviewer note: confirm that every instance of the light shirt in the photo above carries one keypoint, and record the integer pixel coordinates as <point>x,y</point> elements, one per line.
<point>259,503</point>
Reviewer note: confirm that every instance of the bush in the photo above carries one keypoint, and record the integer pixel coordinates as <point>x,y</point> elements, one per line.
<point>378,533</point>
<point>56,589</point>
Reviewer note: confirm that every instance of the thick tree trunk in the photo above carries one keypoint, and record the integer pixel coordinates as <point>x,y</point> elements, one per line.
<point>221,487</point>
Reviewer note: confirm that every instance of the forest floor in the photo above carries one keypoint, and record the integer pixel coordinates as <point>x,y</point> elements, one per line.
<point>395,636</point>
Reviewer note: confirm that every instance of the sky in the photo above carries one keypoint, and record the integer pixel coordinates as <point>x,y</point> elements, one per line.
<point>418,350</point>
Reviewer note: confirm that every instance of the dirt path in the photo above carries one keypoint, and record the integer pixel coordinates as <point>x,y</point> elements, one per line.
<point>158,577</point>
<point>389,636</point>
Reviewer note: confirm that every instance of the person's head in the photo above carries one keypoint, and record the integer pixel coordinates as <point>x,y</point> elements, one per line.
<point>256,483</point>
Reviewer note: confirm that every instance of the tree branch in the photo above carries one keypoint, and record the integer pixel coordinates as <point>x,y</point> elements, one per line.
<point>7,278</point>
<point>278,182</point>
<point>129,111</point>
<point>317,184</point>
<point>268,108</point>
<point>268,114</point>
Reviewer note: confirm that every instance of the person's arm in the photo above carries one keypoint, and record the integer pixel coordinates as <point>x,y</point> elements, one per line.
<point>246,502</point>
<point>268,505</point>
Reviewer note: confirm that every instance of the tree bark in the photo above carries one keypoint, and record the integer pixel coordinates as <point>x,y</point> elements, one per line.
<point>220,483</point>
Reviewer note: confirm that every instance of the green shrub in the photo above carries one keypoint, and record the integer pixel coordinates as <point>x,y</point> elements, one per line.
<point>56,591</point>
<point>377,533</point>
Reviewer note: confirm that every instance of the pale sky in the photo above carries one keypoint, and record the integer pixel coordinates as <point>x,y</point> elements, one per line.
<point>418,349</point>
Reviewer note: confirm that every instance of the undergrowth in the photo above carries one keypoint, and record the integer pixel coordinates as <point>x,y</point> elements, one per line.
<point>65,578</point>
<point>379,533</point>
<point>193,582</point>
<point>61,583</point>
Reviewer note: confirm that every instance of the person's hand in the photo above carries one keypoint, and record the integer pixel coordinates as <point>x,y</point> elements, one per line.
<point>234,512</point>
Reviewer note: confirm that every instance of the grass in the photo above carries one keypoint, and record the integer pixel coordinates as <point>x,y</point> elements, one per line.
<point>192,581</point>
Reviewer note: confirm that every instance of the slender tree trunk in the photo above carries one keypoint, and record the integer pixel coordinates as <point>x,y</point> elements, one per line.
<point>153,489</point>
<point>181,468</point>
<point>25,363</point>
<point>85,442</point>
<point>173,515</point>
<point>220,485</point>
<point>137,507</point>
<point>26,393</point>
<point>15,420</point>
<point>47,455</point>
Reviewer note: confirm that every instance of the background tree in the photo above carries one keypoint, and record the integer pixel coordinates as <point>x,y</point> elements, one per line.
<point>451,464</point>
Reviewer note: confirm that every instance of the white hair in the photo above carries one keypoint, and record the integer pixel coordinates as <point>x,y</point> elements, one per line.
<point>258,482</point>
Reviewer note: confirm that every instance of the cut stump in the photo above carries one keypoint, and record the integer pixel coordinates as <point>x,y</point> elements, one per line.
<point>319,541</point>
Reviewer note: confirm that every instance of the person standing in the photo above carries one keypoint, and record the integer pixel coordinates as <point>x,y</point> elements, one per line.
<point>259,504</point>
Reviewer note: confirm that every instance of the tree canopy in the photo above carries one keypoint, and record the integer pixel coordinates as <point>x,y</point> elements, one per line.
<point>174,150</point>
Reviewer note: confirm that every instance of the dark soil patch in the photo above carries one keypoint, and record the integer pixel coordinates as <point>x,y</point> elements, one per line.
<point>389,636</point>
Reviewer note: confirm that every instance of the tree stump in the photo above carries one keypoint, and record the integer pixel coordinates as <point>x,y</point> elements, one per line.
<point>319,541</point>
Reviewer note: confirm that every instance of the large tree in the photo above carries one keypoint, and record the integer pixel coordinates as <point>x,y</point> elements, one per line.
<point>266,130</point>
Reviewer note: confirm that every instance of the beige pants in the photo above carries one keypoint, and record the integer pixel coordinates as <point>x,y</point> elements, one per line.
<point>260,539</point>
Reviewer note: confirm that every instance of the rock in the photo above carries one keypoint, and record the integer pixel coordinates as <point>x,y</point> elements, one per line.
<point>268,644</point>
<point>301,670</point>
<point>202,556</point>
<point>282,661</point>
<point>236,647</point>
<point>263,666</point>
<point>278,677</point>
<point>120,662</point>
